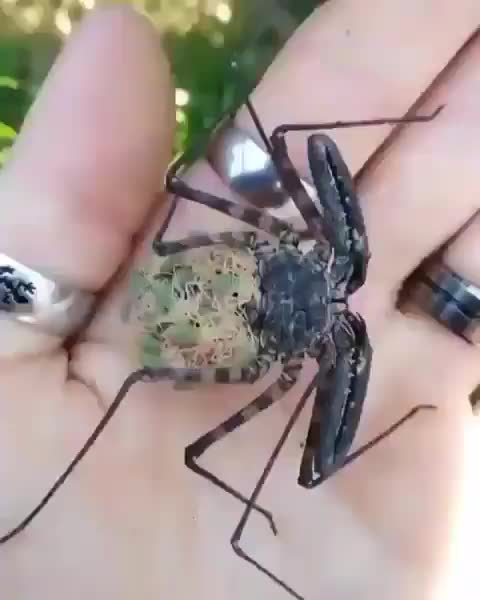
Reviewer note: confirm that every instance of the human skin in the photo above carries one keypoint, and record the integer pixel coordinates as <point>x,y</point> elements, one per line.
<point>79,196</point>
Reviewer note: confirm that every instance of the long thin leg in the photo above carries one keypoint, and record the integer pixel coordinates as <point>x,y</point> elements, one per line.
<point>266,399</point>
<point>338,405</point>
<point>237,534</point>
<point>246,374</point>
<point>142,375</point>
<point>285,128</point>
<point>331,177</point>
<point>381,436</point>
<point>258,125</point>
<point>238,239</point>
<point>248,214</point>
<point>289,177</point>
<point>250,373</point>
<point>375,441</point>
<point>340,221</point>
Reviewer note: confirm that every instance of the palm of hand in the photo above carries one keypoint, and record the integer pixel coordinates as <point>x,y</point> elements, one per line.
<point>133,520</point>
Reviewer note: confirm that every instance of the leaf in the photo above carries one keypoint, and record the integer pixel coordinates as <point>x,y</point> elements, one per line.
<point>14,105</point>
<point>10,82</point>
<point>7,132</point>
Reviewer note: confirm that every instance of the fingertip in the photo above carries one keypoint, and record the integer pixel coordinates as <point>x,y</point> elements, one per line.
<point>90,158</point>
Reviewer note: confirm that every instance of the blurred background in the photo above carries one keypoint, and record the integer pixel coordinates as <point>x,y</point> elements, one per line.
<point>203,39</point>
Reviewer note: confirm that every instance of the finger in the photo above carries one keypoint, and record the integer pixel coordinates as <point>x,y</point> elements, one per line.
<point>386,80</point>
<point>462,255</point>
<point>88,163</point>
<point>363,56</point>
<point>355,65</point>
<point>422,190</point>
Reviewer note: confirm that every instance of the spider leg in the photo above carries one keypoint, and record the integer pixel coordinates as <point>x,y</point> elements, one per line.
<point>248,214</point>
<point>237,534</point>
<point>238,239</point>
<point>338,220</point>
<point>135,377</point>
<point>285,128</point>
<point>335,215</point>
<point>343,223</point>
<point>384,434</point>
<point>266,399</point>
<point>338,405</point>
<point>338,401</point>
<point>310,208</point>
<point>147,375</point>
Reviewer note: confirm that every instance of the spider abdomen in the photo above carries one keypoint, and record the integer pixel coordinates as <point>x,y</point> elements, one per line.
<point>196,308</point>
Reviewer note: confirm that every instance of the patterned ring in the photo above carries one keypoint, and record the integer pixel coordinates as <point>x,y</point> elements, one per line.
<point>449,298</point>
<point>35,299</point>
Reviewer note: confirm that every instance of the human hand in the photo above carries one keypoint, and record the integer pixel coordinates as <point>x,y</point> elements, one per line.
<point>132,521</point>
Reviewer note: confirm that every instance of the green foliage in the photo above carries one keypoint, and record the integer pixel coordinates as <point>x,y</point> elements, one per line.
<point>201,59</point>
<point>24,63</point>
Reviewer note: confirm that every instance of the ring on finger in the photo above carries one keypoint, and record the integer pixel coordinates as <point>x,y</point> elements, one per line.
<point>449,298</point>
<point>249,171</point>
<point>41,301</point>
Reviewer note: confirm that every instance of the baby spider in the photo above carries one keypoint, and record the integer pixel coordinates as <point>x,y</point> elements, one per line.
<point>230,305</point>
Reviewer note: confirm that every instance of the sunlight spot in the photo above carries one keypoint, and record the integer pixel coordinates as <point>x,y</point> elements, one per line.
<point>33,16</point>
<point>223,12</point>
<point>63,22</point>
<point>88,4</point>
<point>180,116</point>
<point>182,97</point>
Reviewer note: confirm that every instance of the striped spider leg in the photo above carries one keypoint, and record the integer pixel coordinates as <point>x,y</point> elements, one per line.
<point>247,374</point>
<point>252,217</point>
<point>275,391</point>
<point>341,384</point>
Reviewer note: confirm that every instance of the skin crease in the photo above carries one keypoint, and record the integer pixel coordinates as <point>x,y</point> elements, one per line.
<point>133,522</point>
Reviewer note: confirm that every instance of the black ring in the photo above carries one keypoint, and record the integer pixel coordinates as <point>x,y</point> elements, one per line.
<point>449,298</point>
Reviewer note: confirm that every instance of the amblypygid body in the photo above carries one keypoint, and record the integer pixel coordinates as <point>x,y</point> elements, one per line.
<point>285,321</point>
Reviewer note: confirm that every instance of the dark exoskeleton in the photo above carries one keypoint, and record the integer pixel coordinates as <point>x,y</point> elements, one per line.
<point>303,312</point>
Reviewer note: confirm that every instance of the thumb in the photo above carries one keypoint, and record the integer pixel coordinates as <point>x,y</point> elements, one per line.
<point>89,161</point>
